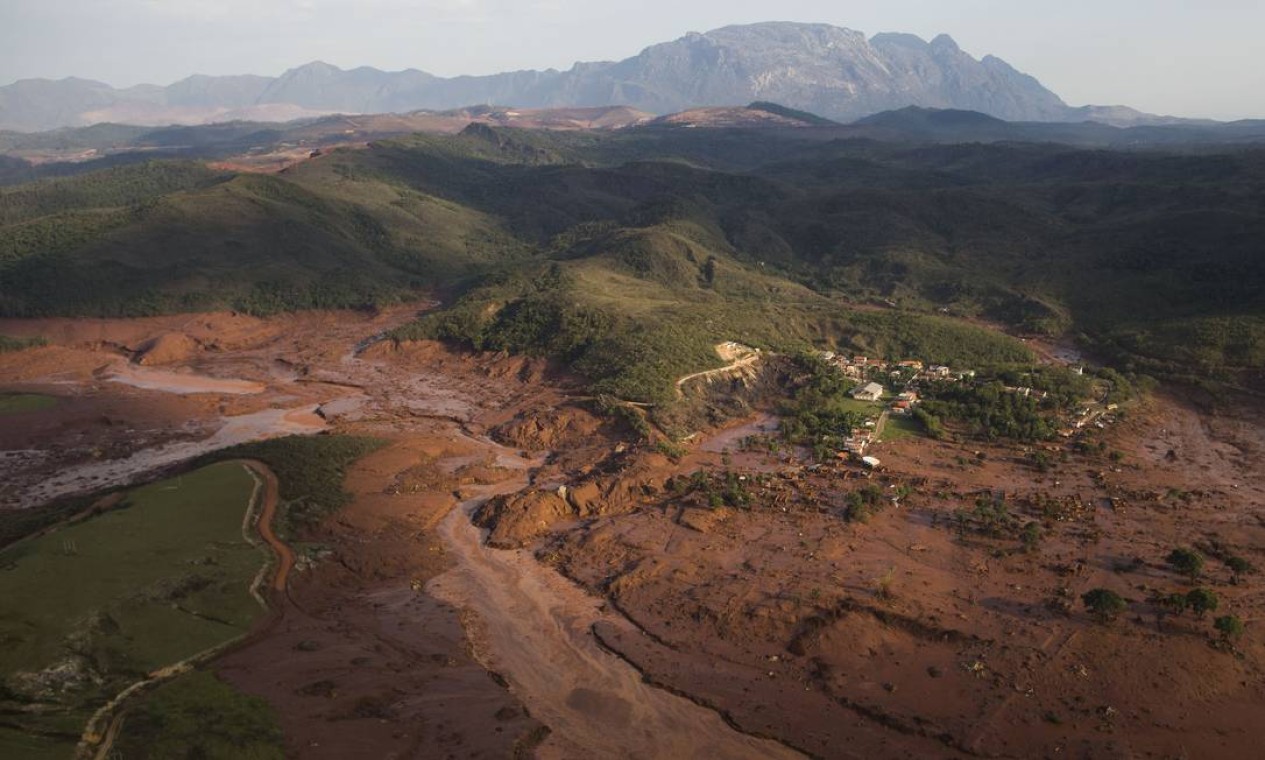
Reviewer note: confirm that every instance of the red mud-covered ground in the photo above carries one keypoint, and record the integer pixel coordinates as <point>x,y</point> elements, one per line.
<point>636,620</point>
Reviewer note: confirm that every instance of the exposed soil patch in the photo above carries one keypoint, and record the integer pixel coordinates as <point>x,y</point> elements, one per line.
<point>906,636</point>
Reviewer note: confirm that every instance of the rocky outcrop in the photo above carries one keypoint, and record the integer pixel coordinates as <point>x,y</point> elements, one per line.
<point>168,348</point>
<point>550,429</point>
<point>518,519</point>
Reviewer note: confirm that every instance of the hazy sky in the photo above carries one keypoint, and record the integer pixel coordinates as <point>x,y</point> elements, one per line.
<point>1182,57</point>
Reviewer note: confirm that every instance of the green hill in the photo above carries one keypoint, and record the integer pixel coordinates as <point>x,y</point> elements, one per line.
<point>629,253</point>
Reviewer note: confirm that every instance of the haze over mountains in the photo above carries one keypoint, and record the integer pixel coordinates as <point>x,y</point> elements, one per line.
<point>836,72</point>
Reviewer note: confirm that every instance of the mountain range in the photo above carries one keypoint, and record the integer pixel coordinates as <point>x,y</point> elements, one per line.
<point>832,71</point>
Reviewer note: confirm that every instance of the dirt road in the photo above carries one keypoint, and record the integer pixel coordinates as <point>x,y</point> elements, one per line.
<point>739,357</point>
<point>268,512</point>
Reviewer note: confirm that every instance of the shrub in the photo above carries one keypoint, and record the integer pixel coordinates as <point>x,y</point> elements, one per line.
<point>1238,568</point>
<point>1031,536</point>
<point>863,504</point>
<point>1188,562</point>
<point>1175,603</point>
<point>673,451</point>
<point>1230,627</point>
<point>1203,601</point>
<point>1104,604</point>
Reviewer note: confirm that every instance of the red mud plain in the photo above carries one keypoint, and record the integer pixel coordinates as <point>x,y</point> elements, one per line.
<point>629,621</point>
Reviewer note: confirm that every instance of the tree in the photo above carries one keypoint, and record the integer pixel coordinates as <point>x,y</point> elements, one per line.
<point>1238,568</point>
<point>1230,627</point>
<point>1104,604</point>
<point>1202,601</point>
<point>1188,562</point>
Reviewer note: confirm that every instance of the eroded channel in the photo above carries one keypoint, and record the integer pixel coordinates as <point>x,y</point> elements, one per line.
<point>534,626</point>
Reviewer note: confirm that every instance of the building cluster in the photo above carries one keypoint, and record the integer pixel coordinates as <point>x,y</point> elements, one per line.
<point>870,375</point>
<point>874,377</point>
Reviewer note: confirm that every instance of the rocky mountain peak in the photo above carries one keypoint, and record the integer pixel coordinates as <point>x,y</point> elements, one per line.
<point>828,70</point>
<point>943,43</point>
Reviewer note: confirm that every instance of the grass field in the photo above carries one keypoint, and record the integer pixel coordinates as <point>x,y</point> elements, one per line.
<point>898,427</point>
<point>18,403</point>
<point>198,715</point>
<point>860,407</point>
<point>93,606</point>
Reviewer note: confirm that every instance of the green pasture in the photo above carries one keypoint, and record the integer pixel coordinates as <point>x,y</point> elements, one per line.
<point>92,607</point>
<point>198,715</point>
<point>899,426</point>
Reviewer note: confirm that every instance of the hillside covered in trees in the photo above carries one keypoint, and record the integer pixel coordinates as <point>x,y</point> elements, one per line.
<point>640,248</point>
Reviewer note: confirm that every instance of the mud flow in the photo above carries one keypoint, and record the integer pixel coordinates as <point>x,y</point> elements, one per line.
<point>515,575</point>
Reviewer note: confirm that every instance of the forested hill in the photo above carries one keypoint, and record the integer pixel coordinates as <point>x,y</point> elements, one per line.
<point>1154,257</point>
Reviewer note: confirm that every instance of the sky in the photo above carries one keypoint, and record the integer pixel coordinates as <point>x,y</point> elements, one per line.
<point>1198,58</point>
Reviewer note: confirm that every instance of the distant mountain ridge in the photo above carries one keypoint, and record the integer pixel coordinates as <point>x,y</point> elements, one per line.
<point>832,71</point>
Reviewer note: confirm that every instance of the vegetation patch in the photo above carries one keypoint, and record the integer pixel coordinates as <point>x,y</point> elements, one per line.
<point>899,427</point>
<point>19,403</point>
<point>9,345</point>
<point>681,237</point>
<point>199,716</point>
<point>93,606</point>
<point>310,470</point>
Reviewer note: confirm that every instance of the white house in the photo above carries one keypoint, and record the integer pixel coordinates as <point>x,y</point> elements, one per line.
<point>868,392</point>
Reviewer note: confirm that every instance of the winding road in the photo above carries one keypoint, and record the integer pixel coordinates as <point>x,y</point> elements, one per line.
<point>740,356</point>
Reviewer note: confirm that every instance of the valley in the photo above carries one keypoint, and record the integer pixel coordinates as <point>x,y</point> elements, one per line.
<point>640,618</point>
<point>779,390</point>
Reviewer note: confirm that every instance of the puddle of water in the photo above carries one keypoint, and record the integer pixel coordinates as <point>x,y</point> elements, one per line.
<point>94,476</point>
<point>182,383</point>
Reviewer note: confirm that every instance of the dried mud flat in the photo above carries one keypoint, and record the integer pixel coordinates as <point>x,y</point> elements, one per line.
<point>636,623</point>
<point>904,637</point>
